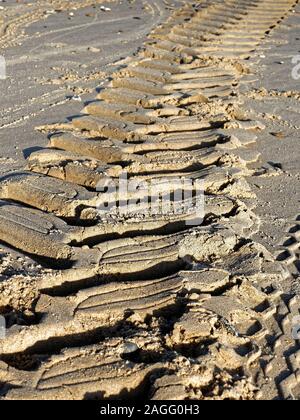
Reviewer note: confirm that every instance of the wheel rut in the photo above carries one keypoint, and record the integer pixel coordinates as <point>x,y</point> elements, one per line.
<point>167,305</point>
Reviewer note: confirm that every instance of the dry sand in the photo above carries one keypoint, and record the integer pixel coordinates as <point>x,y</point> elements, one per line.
<point>144,306</point>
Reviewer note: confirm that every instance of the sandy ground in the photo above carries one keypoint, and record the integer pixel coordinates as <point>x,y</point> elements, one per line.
<point>278,190</point>
<point>59,53</point>
<point>59,60</point>
<point>56,58</point>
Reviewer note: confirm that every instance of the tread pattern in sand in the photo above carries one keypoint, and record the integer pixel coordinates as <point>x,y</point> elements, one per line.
<point>290,255</point>
<point>147,305</point>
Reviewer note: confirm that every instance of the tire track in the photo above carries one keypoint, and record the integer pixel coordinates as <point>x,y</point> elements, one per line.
<point>290,256</point>
<point>197,310</point>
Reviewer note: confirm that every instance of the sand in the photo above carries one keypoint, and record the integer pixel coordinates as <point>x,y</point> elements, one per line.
<point>140,304</point>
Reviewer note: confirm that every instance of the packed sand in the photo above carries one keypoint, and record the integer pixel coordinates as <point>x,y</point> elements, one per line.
<point>157,305</point>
